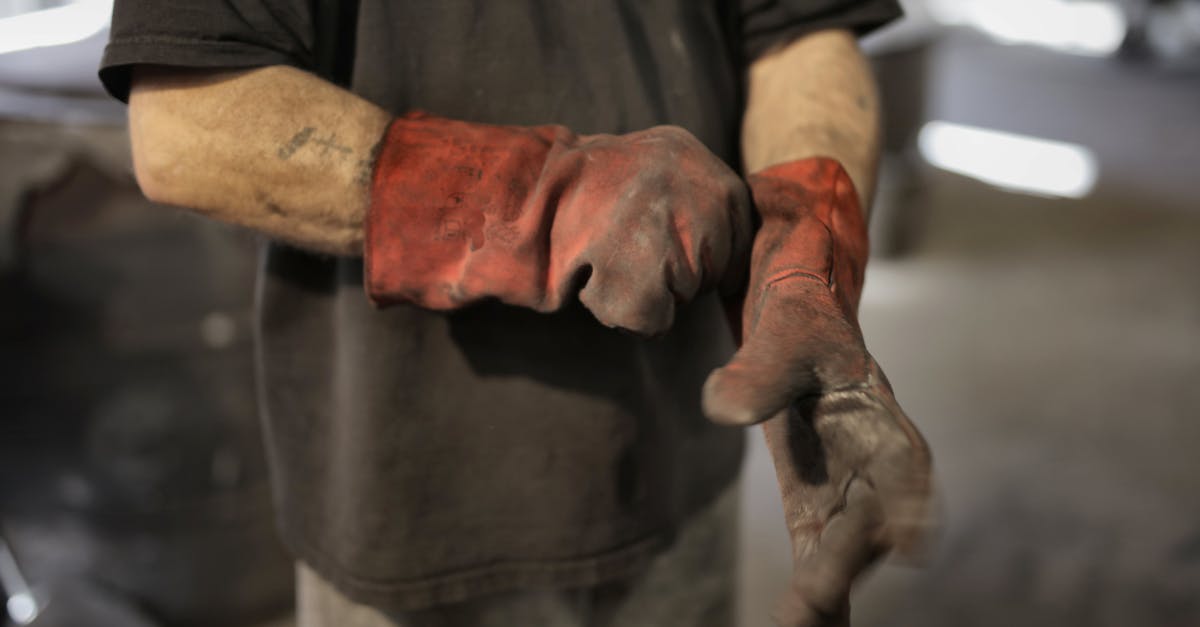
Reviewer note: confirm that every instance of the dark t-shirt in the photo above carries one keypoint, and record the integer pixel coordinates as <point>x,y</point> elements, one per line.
<point>423,458</point>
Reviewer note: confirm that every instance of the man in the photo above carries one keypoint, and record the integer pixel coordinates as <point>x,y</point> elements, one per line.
<point>507,427</point>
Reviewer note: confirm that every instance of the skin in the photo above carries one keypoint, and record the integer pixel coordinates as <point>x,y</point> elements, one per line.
<point>832,111</point>
<point>286,153</point>
<point>274,149</point>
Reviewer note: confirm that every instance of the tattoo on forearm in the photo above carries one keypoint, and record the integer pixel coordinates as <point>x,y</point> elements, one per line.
<point>366,167</point>
<point>297,142</point>
<point>325,146</point>
<point>364,171</point>
<point>329,144</point>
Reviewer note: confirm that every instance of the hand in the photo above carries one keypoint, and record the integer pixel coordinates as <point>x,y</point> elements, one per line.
<point>633,223</point>
<point>854,472</point>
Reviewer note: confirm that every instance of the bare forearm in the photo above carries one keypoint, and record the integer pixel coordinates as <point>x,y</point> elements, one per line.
<point>275,149</point>
<point>814,97</point>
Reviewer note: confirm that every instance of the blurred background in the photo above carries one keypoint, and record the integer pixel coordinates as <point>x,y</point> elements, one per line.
<point>1033,295</point>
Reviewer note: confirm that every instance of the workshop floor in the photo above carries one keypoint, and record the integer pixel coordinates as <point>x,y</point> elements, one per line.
<point>1050,352</point>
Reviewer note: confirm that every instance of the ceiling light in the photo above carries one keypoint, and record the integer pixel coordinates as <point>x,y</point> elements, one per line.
<point>1016,162</point>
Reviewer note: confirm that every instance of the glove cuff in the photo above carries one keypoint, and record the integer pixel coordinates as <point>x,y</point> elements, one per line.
<point>441,188</point>
<point>812,224</point>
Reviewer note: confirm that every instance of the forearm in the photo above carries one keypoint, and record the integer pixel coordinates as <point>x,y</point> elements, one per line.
<point>275,149</point>
<point>814,97</point>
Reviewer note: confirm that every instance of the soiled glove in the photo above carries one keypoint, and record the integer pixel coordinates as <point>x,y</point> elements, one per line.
<point>635,223</point>
<point>854,473</point>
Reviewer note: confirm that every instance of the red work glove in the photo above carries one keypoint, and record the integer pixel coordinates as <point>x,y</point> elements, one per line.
<point>853,471</point>
<point>636,223</point>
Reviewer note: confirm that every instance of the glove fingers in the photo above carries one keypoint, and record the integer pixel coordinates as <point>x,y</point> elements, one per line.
<point>911,524</point>
<point>849,543</point>
<point>651,261</point>
<point>791,611</point>
<point>800,345</point>
<point>868,432</point>
<point>899,465</point>
<point>750,388</point>
<point>620,298</point>
<point>734,269</point>
<point>903,474</point>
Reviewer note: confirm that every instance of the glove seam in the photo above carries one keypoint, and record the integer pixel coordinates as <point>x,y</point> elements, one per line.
<point>796,273</point>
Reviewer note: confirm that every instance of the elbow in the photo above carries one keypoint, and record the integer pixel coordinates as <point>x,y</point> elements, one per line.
<point>151,166</point>
<point>161,126</point>
<point>157,138</point>
<point>153,184</point>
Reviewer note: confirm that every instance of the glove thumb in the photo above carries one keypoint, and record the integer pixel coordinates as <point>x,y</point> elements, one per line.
<point>799,344</point>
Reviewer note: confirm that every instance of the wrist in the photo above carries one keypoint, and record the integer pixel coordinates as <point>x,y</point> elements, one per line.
<point>811,224</point>
<point>435,182</point>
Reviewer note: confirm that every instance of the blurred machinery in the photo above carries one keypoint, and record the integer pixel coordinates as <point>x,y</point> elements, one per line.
<point>132,478</point>
<point>133,489</point>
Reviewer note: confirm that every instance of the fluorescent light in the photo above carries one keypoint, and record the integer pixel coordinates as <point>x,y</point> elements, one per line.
<point>1091,28</point>
<point>22,608</point>
<point>1017,162</point>
<point>54,27</point>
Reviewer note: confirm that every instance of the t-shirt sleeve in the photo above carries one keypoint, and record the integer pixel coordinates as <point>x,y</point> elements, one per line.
<point>208,34</point>
<point>766,23</point>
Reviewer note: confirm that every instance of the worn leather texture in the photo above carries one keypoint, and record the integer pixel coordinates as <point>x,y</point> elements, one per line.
<point>854,472</point>
<point>532,216</point>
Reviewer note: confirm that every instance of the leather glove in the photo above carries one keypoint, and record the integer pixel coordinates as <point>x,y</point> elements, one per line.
<point>635,223</point>
<point>853,472</point>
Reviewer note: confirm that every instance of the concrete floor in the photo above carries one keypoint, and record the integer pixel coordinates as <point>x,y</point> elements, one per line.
<point>1050,351</point>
